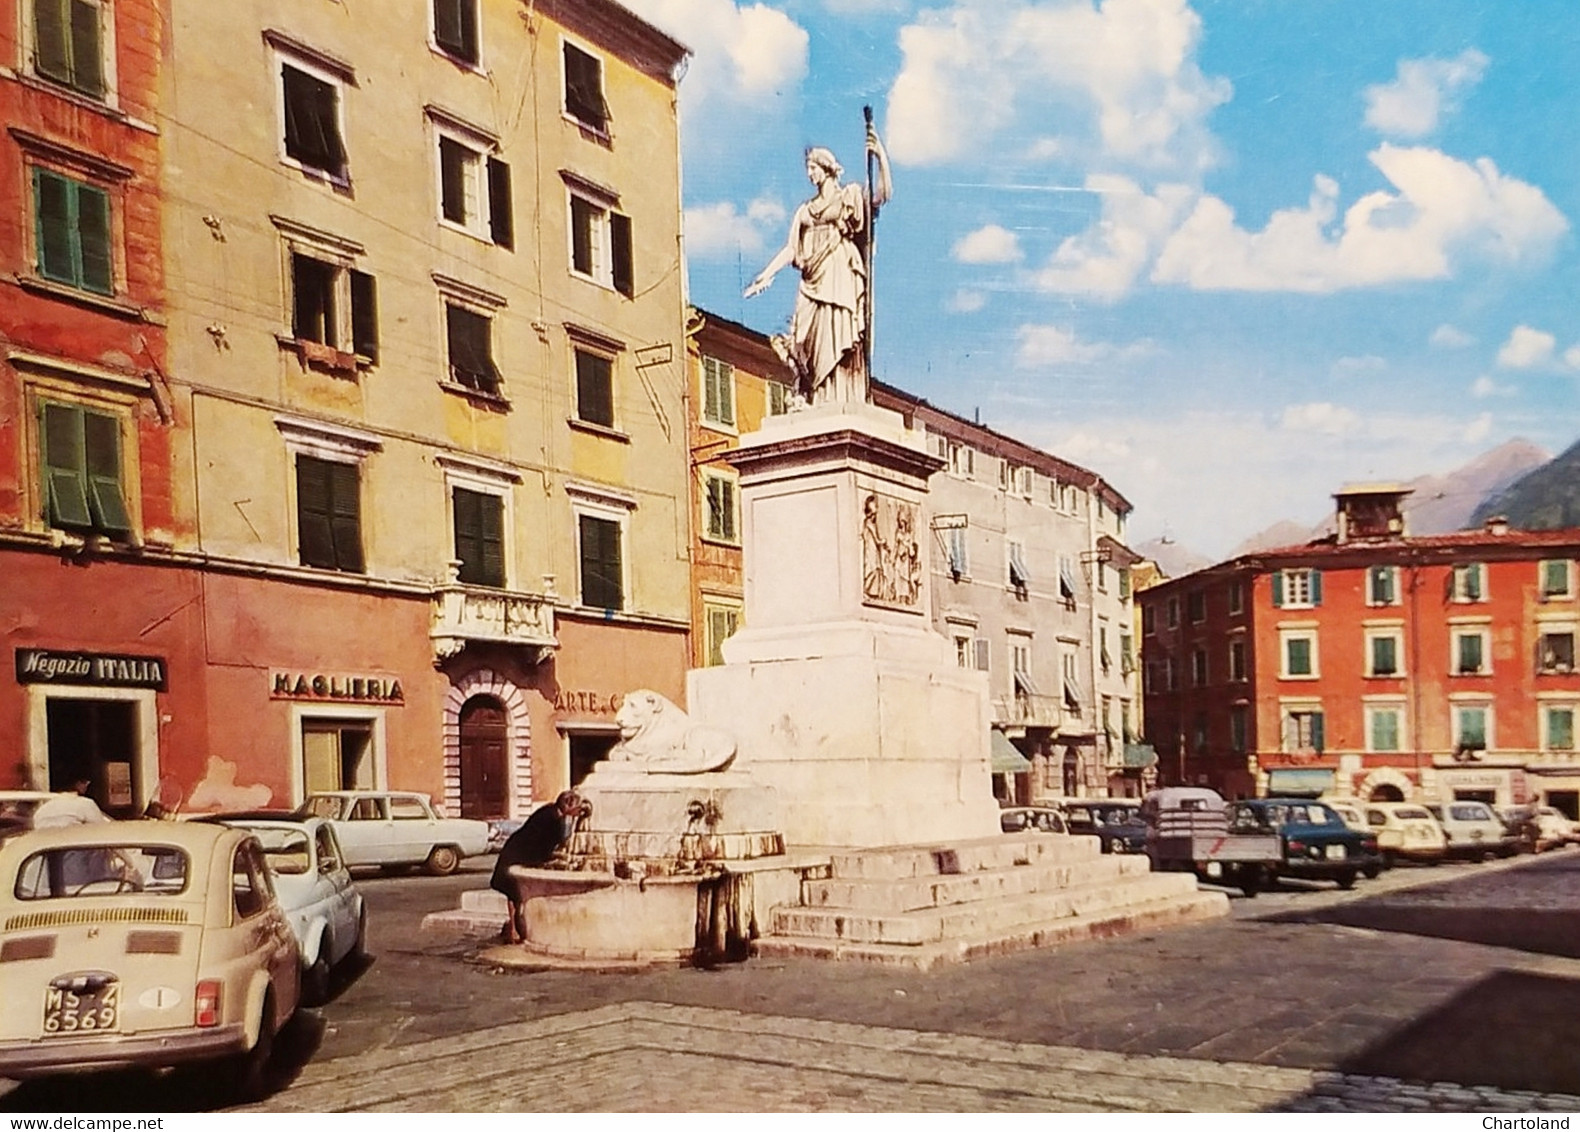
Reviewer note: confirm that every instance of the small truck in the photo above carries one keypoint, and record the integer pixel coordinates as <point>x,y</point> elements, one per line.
<point>1188,829</point>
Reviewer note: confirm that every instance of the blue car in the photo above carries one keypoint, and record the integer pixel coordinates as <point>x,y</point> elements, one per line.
<point>1317,844</point>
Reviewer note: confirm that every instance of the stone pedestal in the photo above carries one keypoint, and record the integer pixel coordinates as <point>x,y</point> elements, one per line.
<point>843,699</point>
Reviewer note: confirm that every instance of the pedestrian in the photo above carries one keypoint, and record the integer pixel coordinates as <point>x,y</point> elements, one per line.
<point>533,845</point>
<point>73,808</point>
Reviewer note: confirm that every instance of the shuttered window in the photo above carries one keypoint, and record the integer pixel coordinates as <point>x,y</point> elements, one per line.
<point>72,232</point>
<point>455,28</point>
<point>719,508</point>
<point>313,300</point>
<point>312,121</point>
<point>594,388</point>
<point>722,622</point>
<point>601,571</point>
<point>501,219</point>
<point>718,392</point>
<point>453,176</point>
<point>82,488</point>
<point>621,268</point>
<point>471,349</point>
<point>365,315</point>
<point>584,99</point>
<point>328,514</point>
<point>68,44</point>
<point>479,537</point>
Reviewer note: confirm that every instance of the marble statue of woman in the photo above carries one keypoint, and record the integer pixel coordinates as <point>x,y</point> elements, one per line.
<point>826,345</point>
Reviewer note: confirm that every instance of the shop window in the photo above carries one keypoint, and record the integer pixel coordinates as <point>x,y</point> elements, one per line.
<point>455,29</point>
<point>68,44</point>
<point>594,388</point>
<point>338,755</point>
<point>84,489</point>
<point>329,514</point>
<point>479,536</point>
<point>602,566</point>
<point>584,99</point>
<point>72,232</point>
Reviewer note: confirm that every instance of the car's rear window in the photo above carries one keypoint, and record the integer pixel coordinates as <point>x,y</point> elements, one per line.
<point>1469,813</point>
<point>321,806</point>
<point>103,870</point>
<point>1412,813</point>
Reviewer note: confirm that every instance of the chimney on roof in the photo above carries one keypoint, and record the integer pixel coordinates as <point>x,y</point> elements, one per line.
<point>1497,525</point>
<point>1370,511</point>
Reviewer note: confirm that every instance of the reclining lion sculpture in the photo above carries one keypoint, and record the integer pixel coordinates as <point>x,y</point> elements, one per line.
<point>661,738</point>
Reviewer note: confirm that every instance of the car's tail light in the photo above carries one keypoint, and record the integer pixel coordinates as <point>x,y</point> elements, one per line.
<point>206,1005</point>
<point>1369,844</point>
<point>1296,846</point>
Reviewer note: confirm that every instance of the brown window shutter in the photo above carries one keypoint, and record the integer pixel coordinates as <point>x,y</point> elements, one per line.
<point>491,531</point>
<point>312,130</point>
<point>365,315</point>
<point>346,515</point>
<point>452,179</point>
<point>51,55</point>
<point>314,529</point>
<point>594,389</point>
<point>584,87</point>
<point>106,500</point>
<point>583,216</point>
<point>479,537</point>
<point>620,254</point>
<point>600,558</point>
<point>471,358</point>
<point>455,28</point>
<point>501,218</point>
<point>87,63</point>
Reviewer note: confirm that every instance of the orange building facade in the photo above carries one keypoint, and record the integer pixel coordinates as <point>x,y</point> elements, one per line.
<point>1373,664</point>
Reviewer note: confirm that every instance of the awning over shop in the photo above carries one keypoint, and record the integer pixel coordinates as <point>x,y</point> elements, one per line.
<point>1139,756</point>
<point>1006,759</point>
<point>1285,782</point>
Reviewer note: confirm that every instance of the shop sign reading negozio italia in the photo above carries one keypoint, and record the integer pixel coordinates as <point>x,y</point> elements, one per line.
<point>335,686</point>
<point>92,669</point>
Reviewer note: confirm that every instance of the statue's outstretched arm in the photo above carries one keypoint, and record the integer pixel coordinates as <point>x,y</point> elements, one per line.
<point>766,275</point>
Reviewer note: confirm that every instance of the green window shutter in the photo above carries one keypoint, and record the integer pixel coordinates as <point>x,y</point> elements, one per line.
<point>452,179</point>
<point>65,467</point>
<point>1316,587</point>
<point>501,217</point>
<point>1385,662</point>
<point>601,565</point>
<point>314,524</point>
<point>346,516</point>
<point>365,315</point>
<point>493,539</point>
<point>102,449</point>
<point>87,62</point>
<point>1561,729</point>
<point>1473,582</point>
<point>623,267</point>
<point>1317,728</point>
<point>93,238</point>
<point>479,537</point>
<point>710,389</point>
<point>1278,588</point>
<point>53,204</point>
<point>583,216</point>
<point>51,51</point>
<point>594,389</point>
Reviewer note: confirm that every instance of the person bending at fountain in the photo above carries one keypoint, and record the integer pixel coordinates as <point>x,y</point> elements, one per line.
<point>533,845</point>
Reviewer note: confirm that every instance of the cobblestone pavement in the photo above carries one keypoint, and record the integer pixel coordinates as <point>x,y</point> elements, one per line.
<point>645,1056</point>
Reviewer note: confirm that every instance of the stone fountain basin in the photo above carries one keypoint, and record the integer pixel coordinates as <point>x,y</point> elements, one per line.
<point>600,916</point>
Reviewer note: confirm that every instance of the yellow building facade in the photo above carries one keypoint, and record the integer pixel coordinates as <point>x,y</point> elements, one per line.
<point>427,347</point>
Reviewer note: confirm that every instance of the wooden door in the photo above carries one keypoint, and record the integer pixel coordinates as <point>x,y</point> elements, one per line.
<point>485,768</point>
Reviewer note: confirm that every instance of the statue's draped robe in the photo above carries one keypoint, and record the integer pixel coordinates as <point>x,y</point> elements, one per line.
<point>830,312</point>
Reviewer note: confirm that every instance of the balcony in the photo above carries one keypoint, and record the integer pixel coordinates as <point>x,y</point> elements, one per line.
<point>465,615</point>
<point>1025,710</point>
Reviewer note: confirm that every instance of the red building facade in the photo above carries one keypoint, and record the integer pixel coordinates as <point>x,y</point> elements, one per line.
<point>1373,664</point>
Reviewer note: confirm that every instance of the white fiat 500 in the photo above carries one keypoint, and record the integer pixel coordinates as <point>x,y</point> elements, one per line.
<point>315,891</point>
<point>397,829</point>
<point>141,943</point>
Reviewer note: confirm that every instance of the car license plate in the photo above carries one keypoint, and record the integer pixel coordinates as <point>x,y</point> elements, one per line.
<point>1335,852</point>
<point>82,1011</point>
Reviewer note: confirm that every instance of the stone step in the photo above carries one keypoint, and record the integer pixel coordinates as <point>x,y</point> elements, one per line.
<point>932,925</point>
<point>1003,851</point>
<point>912,893</point>
<point>1147,916</point>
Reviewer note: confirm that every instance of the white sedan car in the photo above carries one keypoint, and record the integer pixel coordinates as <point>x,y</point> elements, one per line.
<point>396,829</point>
<point>314,888</point>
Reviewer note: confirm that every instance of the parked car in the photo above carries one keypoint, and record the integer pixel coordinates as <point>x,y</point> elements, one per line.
<point>142,944</point>
<point>315,890</point>
<point>1406,831</point>
<point>1474,831</point>
<point>1540,828</point>
<point>397,829</point>
<point>1188,830</point>
<point>1027,819</point>
<point>16,810</point>
<point>1317,844</point>
<point>1117,825</point>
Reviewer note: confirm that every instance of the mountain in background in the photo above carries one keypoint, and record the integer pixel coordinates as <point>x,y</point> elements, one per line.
<point>1543,499</point>
<point>1493,483</point>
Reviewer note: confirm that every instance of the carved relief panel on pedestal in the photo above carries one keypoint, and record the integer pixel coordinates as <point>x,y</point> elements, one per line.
<point>891,554</point>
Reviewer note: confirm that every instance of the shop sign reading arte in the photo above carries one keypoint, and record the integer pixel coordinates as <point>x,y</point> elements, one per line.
<point>325,686</point>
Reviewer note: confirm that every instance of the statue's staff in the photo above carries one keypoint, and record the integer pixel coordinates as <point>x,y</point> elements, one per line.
<point>871,246</point>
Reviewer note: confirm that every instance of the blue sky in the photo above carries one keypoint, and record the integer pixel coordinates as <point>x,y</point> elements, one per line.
<point>1230,254</point>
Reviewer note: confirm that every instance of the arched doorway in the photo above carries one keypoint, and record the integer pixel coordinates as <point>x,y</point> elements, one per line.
<point>1386,792</point>
<point>485,760</point>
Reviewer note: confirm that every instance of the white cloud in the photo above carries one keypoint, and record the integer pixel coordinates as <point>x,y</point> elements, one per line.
<point>1358,366</point>
<point>1105,260</point>
<point>1411,105</point>
<point>1477,430</point>
<point>1484,387</point>
<point>1054,345</point>
<point>1441,207</point>
<point>1527,348</point>
<point>1572,356</point>
<point>988,244</point>
<point>965,301</point>
<point>740,52</point>
<point>1120,77</point>
<point>864,7</point>
<point>1321,417</point>
<point>720,230</point>
<point>1451,338</point>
